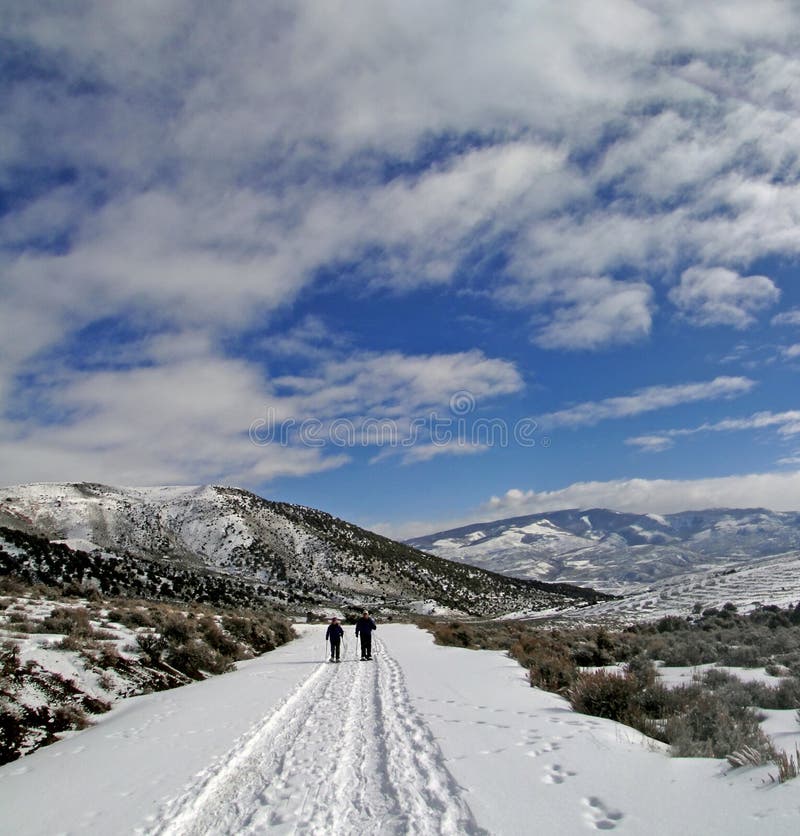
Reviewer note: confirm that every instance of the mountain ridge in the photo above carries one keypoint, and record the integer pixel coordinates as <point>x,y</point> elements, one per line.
<point>617,551</point>
<point>289,554</point>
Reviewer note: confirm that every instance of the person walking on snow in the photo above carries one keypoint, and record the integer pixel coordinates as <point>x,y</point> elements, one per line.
<point>334,636</point>
<point>364,628</point>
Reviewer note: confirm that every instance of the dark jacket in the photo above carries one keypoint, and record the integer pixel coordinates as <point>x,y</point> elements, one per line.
<point>365,625</point>
<point>334,632</point>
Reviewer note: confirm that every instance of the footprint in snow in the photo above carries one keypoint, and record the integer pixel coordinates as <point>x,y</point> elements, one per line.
<point>544,749</point>
<point>556,774</point>
<point>599,816</point>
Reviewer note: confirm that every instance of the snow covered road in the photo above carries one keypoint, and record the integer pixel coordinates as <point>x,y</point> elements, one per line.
<point>422,740</point>
<point>345,753</point>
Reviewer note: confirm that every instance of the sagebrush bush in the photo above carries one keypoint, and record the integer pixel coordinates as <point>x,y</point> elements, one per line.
<point>454,634</point>
<point>605,694</point>
<point>9,660</point>
<point>711,728</point>
<point>71,642</point>
<point>13,729</point>
<point>734,692</point>
<point>550,666</point>
<point>152,644</point>
<point>217,639</point>
<point>553,672</point>
<point>176,628</point>
<point>252,631</point>
<point>195,658</point>
<point>69,718</point>
<point>132,617</point>
<point>642,669</point>
<point>68,620</point>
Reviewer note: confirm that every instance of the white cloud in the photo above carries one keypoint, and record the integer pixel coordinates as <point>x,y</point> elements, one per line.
<point>647,400</point>
<point>425,451</point>
<point>596,312</point>
<point>717,296</point>
<point>791,351</point>
<point>777,491</point>
<point>393,384</point>
<point>181,414</point>
<point>787,424</point>
<point>790,317</point>
<point>652,443</point>
<point>182,417</point>
<point>211,164</point>
<point>170,103</point>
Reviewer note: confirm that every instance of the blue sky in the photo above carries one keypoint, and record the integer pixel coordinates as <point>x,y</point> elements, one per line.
<point>414,264</point>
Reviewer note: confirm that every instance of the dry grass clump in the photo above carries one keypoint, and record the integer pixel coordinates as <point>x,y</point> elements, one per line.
<point>788,765</point>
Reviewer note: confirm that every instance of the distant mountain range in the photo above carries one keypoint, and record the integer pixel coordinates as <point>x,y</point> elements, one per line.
<point>618,552</point>
<point>230,546</point>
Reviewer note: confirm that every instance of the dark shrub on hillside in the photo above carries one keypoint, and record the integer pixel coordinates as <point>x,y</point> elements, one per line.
<point>250,631</point>
<point>152,645</point>
<point>454,634</point>
<point>549,665</point>
<point>68,718</point>
<point>70,621</point>
<point>281,630</point>
<point>261,632</point>
<point>9,660</point>
<point>195,659</point>
<point>132,617</point>
<point>711,728</point>
<point>217,640</point>
<point>735,693</point>
<point>13,729</point>
<point>605,694</point>
<point>176,628</point>
<point>741,657</point>
<point>642,669</point>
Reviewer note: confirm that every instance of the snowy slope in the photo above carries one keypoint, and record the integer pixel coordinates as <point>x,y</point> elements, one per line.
<point>294,555</point>
<point>773,580</point>
<point>618,552</point>
<point>423,740</point>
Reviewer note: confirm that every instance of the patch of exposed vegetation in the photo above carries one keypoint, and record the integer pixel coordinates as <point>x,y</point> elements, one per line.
<point>716,715</point>
<point>116,647</point>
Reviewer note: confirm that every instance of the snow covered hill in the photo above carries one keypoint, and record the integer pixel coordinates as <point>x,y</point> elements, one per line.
<point>427,740</point>
<point>768,581</point>
<point>618,552</point>
<point>186,541</point>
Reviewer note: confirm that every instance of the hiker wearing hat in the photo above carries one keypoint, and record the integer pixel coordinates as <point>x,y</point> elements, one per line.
<point>364,627</point>
<point>334,636</point>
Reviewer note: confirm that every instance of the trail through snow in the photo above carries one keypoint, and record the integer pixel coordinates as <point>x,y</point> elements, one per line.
<point>422,740</point>
<point>346,752</point>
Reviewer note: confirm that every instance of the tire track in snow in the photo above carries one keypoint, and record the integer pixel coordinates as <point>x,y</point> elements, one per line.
<point>345,753</point>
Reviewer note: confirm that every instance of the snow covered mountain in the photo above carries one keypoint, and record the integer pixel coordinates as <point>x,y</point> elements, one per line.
<point>197,541</point>
<point>618,552</point>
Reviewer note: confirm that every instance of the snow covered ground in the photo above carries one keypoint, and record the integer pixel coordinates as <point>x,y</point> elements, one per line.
<point>422,740</point>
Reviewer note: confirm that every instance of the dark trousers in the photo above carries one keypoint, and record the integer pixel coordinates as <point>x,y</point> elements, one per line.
<point>335,645</point>
<point>366,645</point>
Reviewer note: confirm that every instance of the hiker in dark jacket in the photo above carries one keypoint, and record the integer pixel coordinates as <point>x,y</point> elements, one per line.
<point>364,628</point>
<point>334,636</point>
